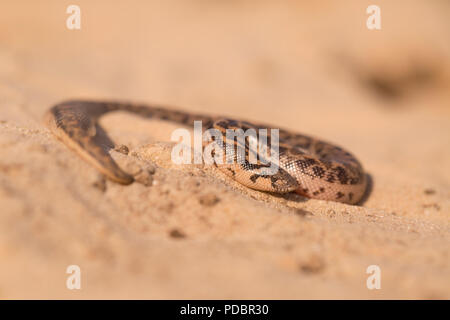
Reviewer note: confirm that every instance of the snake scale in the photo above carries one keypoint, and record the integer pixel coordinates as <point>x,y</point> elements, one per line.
<point>310,167</point>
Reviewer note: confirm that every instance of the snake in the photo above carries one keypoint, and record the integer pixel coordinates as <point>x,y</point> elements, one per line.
<point>308,166</point>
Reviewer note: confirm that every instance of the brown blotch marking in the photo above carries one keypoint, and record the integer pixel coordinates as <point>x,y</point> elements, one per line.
<point>273,181</point>
<point>304,145</point>
<point>232,171</point>
<point>319,147</point>
<point>306,163</point>
<point>252,166</point>
<point>221,124</point>
<point>232,123</point>
<point>341,175</point>
<point>282,149</point>
<point>330,178</point>
<point>339,195</point>
<point>318,171</point>
<point>294,151</point>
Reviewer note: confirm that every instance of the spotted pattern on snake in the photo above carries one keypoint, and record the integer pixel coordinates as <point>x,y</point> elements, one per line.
<point>310,167</point>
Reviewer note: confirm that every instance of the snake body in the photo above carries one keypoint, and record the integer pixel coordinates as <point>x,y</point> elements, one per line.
<point>310,167</point>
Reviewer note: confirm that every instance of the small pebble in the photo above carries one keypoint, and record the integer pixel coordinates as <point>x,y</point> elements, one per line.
<point>302,212</point>
<point>122,149</point>
<point>177,234</point>
<point>100,184</point>
<point>208,200</point>
<point>144,177</point>
<point>314,264</point>
<point>432,205</point>
<point>151,169</point>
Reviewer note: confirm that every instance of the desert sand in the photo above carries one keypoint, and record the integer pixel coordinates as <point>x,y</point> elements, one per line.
<point>193,233</point>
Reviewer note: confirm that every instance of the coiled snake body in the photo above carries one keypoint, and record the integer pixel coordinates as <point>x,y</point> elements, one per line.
<point>311,167</point>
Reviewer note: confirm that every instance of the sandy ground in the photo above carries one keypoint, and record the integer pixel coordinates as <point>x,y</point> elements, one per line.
<point>194,233</point>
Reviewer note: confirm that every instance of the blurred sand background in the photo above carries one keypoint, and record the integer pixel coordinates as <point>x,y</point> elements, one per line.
<point>311,66</point>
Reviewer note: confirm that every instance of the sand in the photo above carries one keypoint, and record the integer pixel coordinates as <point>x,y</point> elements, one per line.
<point>194,233</point>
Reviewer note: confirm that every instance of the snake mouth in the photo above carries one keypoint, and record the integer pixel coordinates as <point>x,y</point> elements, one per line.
<point>302,192</point>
